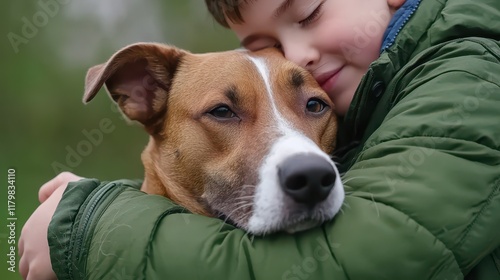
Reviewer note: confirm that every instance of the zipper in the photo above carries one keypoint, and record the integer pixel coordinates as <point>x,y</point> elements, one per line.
<point>85,223</point>
<point>400,27</point>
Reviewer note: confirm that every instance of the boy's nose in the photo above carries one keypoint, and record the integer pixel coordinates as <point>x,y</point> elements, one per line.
<point>301,54</point>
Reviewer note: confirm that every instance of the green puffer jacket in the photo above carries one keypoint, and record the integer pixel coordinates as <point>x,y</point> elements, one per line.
<point>422,172</point>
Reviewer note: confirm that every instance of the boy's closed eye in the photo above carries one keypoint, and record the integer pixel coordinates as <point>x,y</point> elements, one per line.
<point>302,14</point>
<point>315,14</point>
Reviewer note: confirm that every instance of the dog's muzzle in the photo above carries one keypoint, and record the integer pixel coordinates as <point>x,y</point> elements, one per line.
<point>307,178</point>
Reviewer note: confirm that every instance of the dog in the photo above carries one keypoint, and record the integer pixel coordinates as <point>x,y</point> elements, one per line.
<point>241,135</point>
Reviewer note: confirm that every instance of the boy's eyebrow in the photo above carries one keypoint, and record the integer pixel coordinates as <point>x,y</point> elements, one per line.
<point>277,13</point>
<point>283,7</point>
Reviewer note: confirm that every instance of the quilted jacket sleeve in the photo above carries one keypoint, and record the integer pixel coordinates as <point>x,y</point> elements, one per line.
<point>111,230</point>
<point>435,158</point>
<point>423,201</point>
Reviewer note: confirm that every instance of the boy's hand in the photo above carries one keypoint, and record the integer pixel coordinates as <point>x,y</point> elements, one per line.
<point>33,244</point>
<point>60,180</point>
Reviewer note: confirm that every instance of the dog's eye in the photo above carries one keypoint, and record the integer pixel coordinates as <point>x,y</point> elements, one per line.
<point>315,105</point>
<point>222,112</point>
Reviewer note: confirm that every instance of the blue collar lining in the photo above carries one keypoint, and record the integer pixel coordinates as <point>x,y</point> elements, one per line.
<point>400,18</point>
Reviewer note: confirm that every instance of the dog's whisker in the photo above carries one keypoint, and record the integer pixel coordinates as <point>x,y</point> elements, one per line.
<point>250,237</point>
<point>188,176</point>
<point>245,198</point>
<point>228,216</point>
<point>240,207</point>
<point>221,226</point>
<point>375,203</point>
<point>350,179</point>
<point>241,202</point>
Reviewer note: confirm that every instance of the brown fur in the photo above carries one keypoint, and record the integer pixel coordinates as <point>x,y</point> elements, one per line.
<point>196,160</point>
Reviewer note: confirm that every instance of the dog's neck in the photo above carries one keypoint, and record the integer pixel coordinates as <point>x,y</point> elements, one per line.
<point>157,180</point>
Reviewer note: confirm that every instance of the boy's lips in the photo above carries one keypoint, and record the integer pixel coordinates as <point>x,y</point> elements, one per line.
<point>327,80</point>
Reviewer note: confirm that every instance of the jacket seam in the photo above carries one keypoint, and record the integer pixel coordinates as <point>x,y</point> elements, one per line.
<point>75,229</point>
<point>472,74</point>
<point>496,261</point>
<point>418,224</point>
<point>101,208</point>
<point>423,136</point>
<point>473,40</point>
<point>147,255</point>
<point>395,102</point>
<point>487,203</point>
<point>330,246</point>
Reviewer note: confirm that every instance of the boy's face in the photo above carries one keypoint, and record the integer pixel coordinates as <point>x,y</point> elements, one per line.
<point>336,40</point>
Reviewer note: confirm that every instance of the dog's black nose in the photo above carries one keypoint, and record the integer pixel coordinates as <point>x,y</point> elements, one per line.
<point>307,178</point>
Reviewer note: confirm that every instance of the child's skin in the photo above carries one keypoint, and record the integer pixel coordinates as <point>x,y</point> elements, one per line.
<point>317,34</point>
<point>33,245</point>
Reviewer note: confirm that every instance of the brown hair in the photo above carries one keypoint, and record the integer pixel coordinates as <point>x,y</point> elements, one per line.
<point>223,10</point>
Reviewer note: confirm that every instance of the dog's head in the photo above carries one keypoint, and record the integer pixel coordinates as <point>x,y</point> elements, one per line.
<point>237,134</point>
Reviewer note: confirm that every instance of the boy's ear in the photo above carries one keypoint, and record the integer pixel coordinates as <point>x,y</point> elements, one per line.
<point>138,78</point>
<point>394,5</point>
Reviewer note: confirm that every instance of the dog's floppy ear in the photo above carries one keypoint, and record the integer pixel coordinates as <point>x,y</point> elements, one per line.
<point>138,78</point>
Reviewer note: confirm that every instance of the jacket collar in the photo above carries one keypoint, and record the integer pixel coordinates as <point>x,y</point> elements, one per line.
<point>399,19</point>
<point>415,30</point>
<point>397,48</point>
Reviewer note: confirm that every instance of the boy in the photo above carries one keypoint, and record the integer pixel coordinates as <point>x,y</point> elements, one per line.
<point>416,84</point>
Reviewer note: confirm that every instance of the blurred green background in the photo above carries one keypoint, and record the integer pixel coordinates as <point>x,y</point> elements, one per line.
<point>46,48</point>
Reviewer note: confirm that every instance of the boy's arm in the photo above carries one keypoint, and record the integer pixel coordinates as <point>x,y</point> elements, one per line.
<point>436,155</point>
<point>112,230</point>
<point>424,201</point>
<point>34,261</point>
